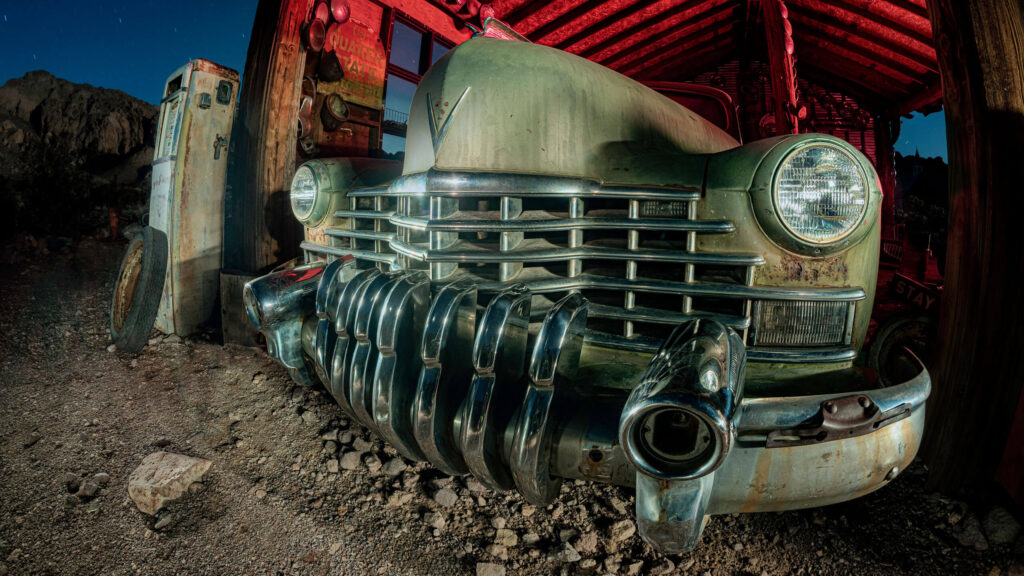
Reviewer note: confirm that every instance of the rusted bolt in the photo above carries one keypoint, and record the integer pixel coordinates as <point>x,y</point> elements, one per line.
<point>892,473</point>
<point>864,401</point>
<point>831,407</point>
<point>595,456</point>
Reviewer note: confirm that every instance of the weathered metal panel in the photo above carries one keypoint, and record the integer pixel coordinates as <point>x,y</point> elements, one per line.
<point>188,191</point>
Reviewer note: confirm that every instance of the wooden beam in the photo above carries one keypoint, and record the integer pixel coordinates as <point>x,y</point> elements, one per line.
<point>516,17</point>
<point>680,32</point>
<point>684,67</point>
<point>782,73</point>
<point>561,20</point>
<point>978,367</point>
<point>885,165</point>
<point>259,229</point>
<point>594,29</point>
<point>864,49</point>
<point>635,33</point>
<point>871,31</point>
<point>689,38</point>
<point>930,96</point>
<point>916,9</point>
<point>861,8</point>
<point>875,74</point>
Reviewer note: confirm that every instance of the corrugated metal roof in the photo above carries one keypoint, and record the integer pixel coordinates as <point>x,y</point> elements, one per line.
<point>878,50</point>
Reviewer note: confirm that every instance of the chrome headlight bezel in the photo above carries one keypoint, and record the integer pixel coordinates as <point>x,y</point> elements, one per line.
<point>764,195</point>
<point>319,205</point>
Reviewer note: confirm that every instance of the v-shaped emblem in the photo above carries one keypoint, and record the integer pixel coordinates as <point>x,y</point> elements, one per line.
<point>437,134</point>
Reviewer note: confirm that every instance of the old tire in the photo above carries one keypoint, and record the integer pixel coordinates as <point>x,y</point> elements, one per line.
<point>908,331</point>
<point>137,291</point>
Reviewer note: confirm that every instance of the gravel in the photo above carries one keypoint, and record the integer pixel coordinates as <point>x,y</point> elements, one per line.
<point>394,467</point>
<point>446,497</point>
<point>351,461</point>
<point>489,569</point>
<point>566,553</point>
<point>281,499</point>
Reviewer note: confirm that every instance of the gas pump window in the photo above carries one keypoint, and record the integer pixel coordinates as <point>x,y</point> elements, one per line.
<point>169,125</point>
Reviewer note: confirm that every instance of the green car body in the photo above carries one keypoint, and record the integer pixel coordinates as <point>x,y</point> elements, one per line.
<point>479,278</point>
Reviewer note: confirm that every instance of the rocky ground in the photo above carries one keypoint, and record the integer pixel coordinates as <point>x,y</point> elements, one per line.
<point>295,488</point>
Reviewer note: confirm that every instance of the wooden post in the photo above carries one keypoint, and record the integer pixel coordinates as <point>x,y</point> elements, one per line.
<point>886,132</point>
<point>259,229</point>
<point>979,367</point>
<point>778,33</point>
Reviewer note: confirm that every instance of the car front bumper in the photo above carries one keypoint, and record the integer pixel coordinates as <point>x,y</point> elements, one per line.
<point>479,392</point>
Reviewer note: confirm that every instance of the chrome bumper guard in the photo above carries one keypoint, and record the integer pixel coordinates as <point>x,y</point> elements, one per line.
<point>476,392</point>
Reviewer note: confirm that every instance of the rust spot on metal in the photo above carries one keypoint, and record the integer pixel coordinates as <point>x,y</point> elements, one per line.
<point>817,271</point>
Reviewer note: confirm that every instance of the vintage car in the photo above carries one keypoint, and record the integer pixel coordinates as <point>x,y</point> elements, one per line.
<point>572,276</point>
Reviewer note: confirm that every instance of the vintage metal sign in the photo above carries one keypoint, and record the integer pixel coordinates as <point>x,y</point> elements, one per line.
<point>363,58</point>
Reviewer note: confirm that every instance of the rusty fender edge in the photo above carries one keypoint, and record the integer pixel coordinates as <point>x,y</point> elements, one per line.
<point>761,476</point>
<point>805,473</point>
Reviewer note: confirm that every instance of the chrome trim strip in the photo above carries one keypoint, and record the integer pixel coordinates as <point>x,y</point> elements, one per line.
<point>801,355</point>
<point>484,184</point>
<point>360,254</point>
<point>553,223</point>
<point>365,214</point>
<point>657,316</point>
<point>552,253</point>
<point>360,234</point>
<point>739,291</point>
<point>754,354</point>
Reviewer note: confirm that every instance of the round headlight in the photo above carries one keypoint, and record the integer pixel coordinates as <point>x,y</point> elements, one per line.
<point>820,193</point>
<point>304,193</point>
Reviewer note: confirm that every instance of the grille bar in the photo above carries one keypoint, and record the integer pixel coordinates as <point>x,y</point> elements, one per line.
<point>537,250</point>
<point>534,222</point>
<point>713,289</point>
<point>481,184</point>
<point>355,253</point>
<point>360,234</point>
<point>368,214</point>
<point>659,316</point>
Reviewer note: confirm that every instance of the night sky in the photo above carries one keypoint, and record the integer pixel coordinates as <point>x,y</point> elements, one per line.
<point>135,45</point>
<point>926,134</point>
<point>128,45</point>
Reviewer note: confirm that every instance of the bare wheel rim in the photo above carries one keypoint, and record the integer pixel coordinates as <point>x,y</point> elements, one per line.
<point>126,285</point>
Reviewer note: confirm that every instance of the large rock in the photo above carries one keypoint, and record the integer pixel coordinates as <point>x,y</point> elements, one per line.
<point>163,477</point>
<point>68,152</point>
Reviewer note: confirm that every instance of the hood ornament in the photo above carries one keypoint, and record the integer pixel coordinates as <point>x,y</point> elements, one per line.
<point>438,133</point>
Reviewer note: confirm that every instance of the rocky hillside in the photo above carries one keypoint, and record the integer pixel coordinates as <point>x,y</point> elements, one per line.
<point>67,153</point>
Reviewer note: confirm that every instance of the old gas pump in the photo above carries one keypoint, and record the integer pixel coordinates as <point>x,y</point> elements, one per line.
<point>187,200</point>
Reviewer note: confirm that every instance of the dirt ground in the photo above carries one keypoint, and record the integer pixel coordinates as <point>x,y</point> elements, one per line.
<point>276,500</point>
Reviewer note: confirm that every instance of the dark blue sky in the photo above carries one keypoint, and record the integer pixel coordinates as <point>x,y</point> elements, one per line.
<point>926,134</point>
<point>128,45</point>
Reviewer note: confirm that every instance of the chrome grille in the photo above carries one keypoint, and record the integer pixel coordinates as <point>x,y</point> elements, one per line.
<point>631,251</point>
